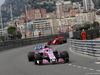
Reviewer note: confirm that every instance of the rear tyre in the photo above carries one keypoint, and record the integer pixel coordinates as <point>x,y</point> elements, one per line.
<point>49,42</point>
<point>64,40</point>
<point>65,56</point>
<point>56,55</point>
<point>60,41</point>
<point>31,56</point>
<point>38,59</point>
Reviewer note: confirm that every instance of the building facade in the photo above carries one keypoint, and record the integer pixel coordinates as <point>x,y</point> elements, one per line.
<point>73,12</point>
<point>43,13</point>
<point>88,5</point>
<point>46,27</point>
<point>30,14</point>
<point>63,8</point>
<point>83,18</point>
<point>98,16</point>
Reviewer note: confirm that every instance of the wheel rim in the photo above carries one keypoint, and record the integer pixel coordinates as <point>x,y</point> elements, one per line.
<point>38,62</point>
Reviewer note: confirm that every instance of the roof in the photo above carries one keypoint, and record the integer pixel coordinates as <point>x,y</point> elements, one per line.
<point>39,21</point>
<point>98,12</point>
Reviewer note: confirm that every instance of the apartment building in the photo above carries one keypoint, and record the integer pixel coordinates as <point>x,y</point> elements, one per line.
<point>30,14</point>
<point>98,16</point>
<point>63,8</point>
<point>85,18</point>
<point>73,12</point>
<point>46,27</point>
<point>43,13</point>
<point>88,5</point>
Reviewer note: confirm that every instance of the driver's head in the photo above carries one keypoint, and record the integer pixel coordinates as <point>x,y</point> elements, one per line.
<point>45,46</point>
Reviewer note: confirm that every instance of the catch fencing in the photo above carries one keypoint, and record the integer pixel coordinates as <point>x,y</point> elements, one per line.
<point>88,47</point>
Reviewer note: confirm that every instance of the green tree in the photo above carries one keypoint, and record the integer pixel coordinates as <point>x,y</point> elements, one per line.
<point>95,25</point>
<point>86,26</point>
<point>11,29</point>
<point>15,34</point>
<point>49,7</point>
<point>81,28</point>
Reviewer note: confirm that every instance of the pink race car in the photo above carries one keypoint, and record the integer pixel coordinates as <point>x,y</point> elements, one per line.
<point>45,54</point>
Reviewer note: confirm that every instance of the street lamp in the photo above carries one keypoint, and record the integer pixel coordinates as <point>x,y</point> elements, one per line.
<point>60,22</point>
<point>25,18</point>
<point>1,20</point>
<point>59,19</point>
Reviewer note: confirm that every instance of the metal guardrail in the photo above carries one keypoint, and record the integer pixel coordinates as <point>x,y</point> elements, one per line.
<point>88,47</point>
<point>23,42</point>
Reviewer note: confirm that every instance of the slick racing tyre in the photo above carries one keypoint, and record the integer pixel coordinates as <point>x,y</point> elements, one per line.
<point>31,56</point>
<point>64,40</point>
<point>65,56</point>
<point>49,42</point>
<point>38,59</point>
<point>60,41</point>
<point>56,54</point>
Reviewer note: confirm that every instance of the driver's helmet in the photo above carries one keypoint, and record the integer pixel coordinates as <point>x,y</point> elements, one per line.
<point>45,43</point>
<point>46,46</point>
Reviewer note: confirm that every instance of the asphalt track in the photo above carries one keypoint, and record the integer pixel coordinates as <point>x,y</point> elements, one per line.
<point>15,62</point>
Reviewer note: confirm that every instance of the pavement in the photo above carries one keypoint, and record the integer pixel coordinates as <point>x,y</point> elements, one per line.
<point>15,62</point>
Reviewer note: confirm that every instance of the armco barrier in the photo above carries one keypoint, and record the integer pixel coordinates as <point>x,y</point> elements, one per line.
<point>89,47</point>
<point>23,42</point>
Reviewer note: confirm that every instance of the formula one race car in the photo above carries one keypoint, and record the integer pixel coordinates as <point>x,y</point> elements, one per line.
<point>57,40</point>
<point>45,54</point>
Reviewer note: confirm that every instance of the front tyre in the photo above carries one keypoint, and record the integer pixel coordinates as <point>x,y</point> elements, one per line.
<point>31,56</point>
<point>56,55</point>
<point>60,41</point>
<point>65,56</point>
<point>38,59</point>
<point>64,40</point>
<point>49,43</point>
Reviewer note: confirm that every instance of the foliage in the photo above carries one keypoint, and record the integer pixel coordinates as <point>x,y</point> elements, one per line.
<point>49,7</point>
<point>86,26</point>
<point>77,28</point>
<point>13,34</point>
<point>95,24</point>
<point>81,28</point>
<point>11,29</point>
<point>2,38</point>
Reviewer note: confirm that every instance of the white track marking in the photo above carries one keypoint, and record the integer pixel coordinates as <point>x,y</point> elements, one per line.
<point>84,68</point>
<point>79,67</point>
<point>91,69</point>
<point>98,70</point>
<point>69,64</point>
<point>74,65</point>
<point>97,62</point>
<point>92,73</point>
